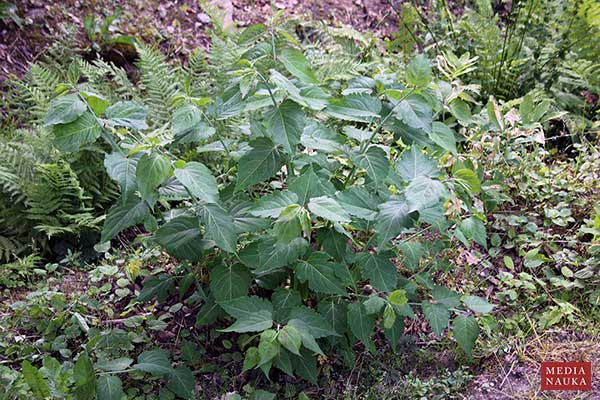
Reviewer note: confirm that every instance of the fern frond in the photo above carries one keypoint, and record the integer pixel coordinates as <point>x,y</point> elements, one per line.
<point>37,90</point>
<point>158,82</point>
<point>55,199</point>
<point>107,79</point>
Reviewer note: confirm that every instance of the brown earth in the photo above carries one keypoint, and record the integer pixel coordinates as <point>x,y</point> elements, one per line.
<point>178,26</point>
<point>516,375</point>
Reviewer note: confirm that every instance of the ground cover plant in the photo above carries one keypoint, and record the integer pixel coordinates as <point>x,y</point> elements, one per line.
<point>301,211</point>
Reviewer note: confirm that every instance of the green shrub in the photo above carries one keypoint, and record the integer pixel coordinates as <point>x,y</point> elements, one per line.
<point>315,204</point>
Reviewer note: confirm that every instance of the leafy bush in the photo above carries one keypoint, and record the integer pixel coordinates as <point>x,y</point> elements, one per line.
<point>513,48</point>
<point>325,211</point>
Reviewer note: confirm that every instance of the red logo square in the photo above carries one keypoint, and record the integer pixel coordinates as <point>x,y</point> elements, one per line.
<point>576,375</point>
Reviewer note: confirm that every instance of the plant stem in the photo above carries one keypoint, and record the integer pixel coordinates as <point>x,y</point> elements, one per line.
<point>218,134</point>
<point>410,32</point>
<point>507,38</point>
<point>289,167</point>
<point>105,134</point>
<point>424,22</point>
<point>366,144</point>
<point>449,14</point>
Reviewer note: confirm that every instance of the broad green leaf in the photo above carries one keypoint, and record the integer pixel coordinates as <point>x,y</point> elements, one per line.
<point>182,383</point>
<point>253,314</point>
<point>109,387</point>
<point>494,115</point>
<point>270,254</point>
<point>445,296</point>
<point>251,359</point>
<point>461,111</point>
<point>314,97</point>
<point>219,227</point>
<point>310,96</point>
<point>188,125</point>
<point>273,204</point>
<point>317,326</point>
<point>474,229</point>
<point>305,366</point>
<point>354,107</point>
<point>118,364</point>
<point>418,71</point>
<point>398,297</point>
<point>262,162</point>
<point>173,190</point>
<point>309,184</point>
<point>361,324</point>
<point>373,304</point>
<point>263,394</point>
<point>437,315</point>
<point>268,347</point>
<point>181,237</point>
<point>539,111</point>
<point>308,339</point>
<point>121,216</point>
<point>159,286</point>
<point>329,209</point>
<point>334,310</point>
<point>152,170</point>
<point>283,301</point>
<point>389,316</point>
<point>229,104</point>
<point>334,243</point>
<point>394,216</point>
<point>127,114</point>
<point>199,181</point>
<point>359,202</point>
<point>229,282</point>
<point>190,352</point>
<point>35,380</point>
<point>415,112</point>
<point>319,273</point>
<point>285,124</point>
<point>443,136</point>
<point>71,136</point>
<point>478,304</point>
<point>378,269</point>
<point>468,179</point>
<point>359,135</point>
<point>320,137</point>
<point>409,135</point>
<point>412,251</point>
<point>209,312</point>
<point>466,331</point>
<point>64,109</point>
<point>423,192</point>
<point>414,163</point>
<point>375,162</point>
<point>297,65</point>
<point>121,168</point>
<point>244,221</point>
<point>155,362</point>
<point>289,224</point>
<point>84,377</point>
<point>97,103</point>
<point>394,333</point>
<point>290,338</point>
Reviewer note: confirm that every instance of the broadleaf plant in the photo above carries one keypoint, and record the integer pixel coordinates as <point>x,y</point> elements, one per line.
<point>310,221</point>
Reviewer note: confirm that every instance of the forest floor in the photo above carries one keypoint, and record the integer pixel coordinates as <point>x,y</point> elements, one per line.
<point>177,26</point>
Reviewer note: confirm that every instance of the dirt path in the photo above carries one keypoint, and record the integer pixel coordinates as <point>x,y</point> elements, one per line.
<point>516,374</point>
